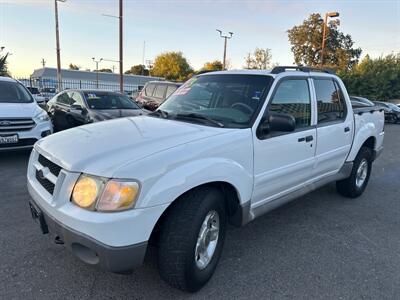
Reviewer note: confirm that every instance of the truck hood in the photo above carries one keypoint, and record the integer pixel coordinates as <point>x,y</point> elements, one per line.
<point>19,110</point>
<point>101,148</point>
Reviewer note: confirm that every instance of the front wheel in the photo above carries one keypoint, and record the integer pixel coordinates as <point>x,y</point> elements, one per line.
<point>355,184</point>
<point>191,240</point>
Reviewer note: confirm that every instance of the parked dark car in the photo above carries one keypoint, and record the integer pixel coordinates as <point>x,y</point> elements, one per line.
<point>392,111</point>
<point>155,92</point>
<point>72,108</point>
<point>360,101</point>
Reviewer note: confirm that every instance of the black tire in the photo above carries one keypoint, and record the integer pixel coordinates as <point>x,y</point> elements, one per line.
<point>179,232</point>
<point>348,187</point>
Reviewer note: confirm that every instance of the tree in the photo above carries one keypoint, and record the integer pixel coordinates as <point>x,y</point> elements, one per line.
<point>3,66</point>
<point>376,79</point>
<point>215,65</point>
<point>138,70</point>
<point>74,67</point>
<point>306,41</point>
<point>172,66</point>
<point>106,70</point>
<point>260,59</point>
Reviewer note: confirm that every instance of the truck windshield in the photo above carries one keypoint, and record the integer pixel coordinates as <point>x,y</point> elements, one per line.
<point>13,92</point>
<point>224,100</point>
<point>109,100</point>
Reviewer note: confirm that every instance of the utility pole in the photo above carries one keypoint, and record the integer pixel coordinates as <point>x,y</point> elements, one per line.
<point>225,37</point>
<point>121,45</point>
<point>59,84</point>
<point>327,15</point>
<point>97,70</point>
<point>43,62</point>
<point>143,58</point>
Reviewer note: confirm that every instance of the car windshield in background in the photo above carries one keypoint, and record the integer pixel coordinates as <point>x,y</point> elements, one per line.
<point>12,92</point>
<point>105,100</point>
<point>34,91</point>
<point>224,100</point>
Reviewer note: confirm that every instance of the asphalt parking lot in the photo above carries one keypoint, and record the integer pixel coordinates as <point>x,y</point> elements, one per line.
<point>319,246</point>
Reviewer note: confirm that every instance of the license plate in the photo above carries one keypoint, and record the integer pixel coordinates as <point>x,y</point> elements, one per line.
<point>37,215</point>
<point>10,139</point>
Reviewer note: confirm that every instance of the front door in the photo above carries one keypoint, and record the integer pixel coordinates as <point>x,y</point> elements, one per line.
<point>283,161</point>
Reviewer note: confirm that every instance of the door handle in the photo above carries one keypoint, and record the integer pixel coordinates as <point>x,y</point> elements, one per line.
<point>347,129</point>
<point>309,138</point>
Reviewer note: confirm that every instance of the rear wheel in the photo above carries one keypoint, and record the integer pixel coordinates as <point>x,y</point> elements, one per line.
<point>355,184</point>
<point>191,239</point>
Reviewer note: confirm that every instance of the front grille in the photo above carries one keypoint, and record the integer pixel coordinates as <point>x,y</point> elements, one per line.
<point>21,143</point>
<point>47,184</point>
<point>8,125</point>
<point>54,168</point>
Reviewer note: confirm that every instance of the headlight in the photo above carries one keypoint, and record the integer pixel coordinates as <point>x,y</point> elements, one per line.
<point>42,117</point>
<point>118,195</point>
<point>95,193</point>
<point>86,191</point>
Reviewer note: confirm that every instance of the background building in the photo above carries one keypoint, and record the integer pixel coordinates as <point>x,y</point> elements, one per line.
<point>47,77</point>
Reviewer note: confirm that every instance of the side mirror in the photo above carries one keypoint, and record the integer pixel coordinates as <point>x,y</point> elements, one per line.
<point>276,122</point>
<point>282,122</point>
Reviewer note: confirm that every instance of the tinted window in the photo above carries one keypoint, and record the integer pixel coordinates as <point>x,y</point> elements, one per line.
<point>170,90</point>
<point>64,99</point>
<point>293,97</point>
<point>232,100</point>
<point>33,90</point>
<point>331,106</point>
<point>12,92</point>
<point>160,91</point>
<point>149,89</point>
<point>107,100</point>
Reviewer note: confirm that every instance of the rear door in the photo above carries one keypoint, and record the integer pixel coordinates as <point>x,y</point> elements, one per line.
<point>334,126</point>
<point>283,161</point>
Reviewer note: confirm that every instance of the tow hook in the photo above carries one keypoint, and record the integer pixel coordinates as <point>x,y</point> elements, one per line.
<point>58,240</point>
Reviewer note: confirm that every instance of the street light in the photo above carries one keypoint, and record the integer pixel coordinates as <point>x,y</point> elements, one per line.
<point>97,70</point>
<point>327,15</point>
<point>225,37</point>
<point>58,44</point>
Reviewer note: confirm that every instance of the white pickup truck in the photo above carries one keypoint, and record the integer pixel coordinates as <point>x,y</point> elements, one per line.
<point>225,147</point>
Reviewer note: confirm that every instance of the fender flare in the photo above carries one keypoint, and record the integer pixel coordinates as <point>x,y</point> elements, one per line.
<point>185,177</point>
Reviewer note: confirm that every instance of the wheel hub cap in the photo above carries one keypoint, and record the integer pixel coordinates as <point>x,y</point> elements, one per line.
<point>207,240</point>
<point>362,172</point>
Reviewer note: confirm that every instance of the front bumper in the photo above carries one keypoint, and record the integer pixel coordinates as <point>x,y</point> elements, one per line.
<point>92,252</point>
<point>28,138</point>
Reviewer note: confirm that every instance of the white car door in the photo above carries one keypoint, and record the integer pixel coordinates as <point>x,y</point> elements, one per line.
<point>283,161</point>
<point>334,127</point>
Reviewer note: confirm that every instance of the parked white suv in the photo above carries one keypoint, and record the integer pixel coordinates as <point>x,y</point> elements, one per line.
<point>22,121</point>
<point>226,146</point>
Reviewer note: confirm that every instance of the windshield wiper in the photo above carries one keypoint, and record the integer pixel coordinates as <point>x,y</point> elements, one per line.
<point>200,117</point>
<point>160,112</point>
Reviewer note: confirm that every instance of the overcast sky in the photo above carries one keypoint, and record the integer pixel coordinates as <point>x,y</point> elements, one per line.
<point>27,29</point>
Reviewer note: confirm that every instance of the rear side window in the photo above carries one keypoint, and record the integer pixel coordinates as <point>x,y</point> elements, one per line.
<point>160,91</point>
<point>170,90</point>
<point>64,99</point>
<point>293,97</point>
<point>330,101</point>
<point>149,90</point>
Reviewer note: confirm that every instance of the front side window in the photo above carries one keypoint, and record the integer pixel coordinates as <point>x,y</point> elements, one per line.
<point>13,92</point>
<point>229,100</point>
<point>331,107</point>
<point>108,100</point>
<point>293,97</point>
<point>76,99</point>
